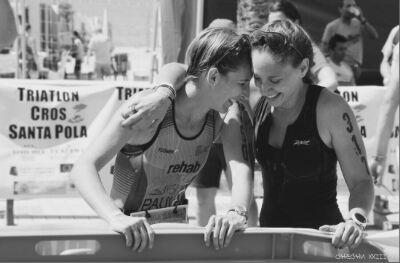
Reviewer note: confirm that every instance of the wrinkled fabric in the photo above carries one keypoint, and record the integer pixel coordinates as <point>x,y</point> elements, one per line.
<point>178,28</point>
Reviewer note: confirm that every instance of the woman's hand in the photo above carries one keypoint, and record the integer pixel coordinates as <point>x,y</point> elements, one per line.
<point>137,231</point>
<point>147,110</point>
<point>345,234</point>
<point>222,228</point>
<point>377,169</point>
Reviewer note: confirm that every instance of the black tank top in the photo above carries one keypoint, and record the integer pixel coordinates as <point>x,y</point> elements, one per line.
<point>299,179</point>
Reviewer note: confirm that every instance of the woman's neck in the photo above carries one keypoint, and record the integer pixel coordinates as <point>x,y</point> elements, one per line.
<point>190,106</point>
<point>346,20</point>
<point>294,104</point>
<point>336,60</point>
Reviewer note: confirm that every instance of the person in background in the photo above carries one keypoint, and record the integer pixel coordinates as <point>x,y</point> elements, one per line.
<point>351,24</point>
<point>155,165</point>
<point>208,181</point>
<point>323,73</point>
<point>337,52</point>
<point>301,131</point>
<point>386,117</point>
<point>77,53</point>
<point>387,52</point>
<point>251,14</point>
<point>32,58</point>
<point>100,45</point>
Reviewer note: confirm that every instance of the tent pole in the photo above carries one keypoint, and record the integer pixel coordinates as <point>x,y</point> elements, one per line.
<point>10,212</point>
<point>23,40</point>
<point>199,16</point>
<point>154,44</point>
<point>17,42</point>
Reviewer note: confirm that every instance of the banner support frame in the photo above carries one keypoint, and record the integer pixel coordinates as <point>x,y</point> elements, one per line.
<point>10,212</point>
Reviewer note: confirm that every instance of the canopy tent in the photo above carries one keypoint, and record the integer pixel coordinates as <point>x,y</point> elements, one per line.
<point>180,21</point>
<point>8,29</point>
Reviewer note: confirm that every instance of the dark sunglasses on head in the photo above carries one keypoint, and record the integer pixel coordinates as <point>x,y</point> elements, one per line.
<point>261,38</point>
<point>244,41</point>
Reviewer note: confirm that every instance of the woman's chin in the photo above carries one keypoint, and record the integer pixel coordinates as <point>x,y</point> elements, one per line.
<point>225,107</point>
<point>275,101</point>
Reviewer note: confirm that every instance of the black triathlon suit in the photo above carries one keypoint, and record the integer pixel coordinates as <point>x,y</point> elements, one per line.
<point>299,179</point>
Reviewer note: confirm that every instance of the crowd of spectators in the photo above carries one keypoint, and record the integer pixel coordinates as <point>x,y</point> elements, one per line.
<point>93,58</point>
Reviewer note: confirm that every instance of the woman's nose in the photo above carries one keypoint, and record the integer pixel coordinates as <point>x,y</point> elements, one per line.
<point>265,89</point>
<point>245,93</point>
<point>238,92</point>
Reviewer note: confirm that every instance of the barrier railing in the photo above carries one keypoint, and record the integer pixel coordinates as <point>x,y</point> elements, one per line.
<point>179,244</point>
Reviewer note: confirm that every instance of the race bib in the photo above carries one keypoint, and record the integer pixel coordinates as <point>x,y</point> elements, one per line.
<point>173,214</point>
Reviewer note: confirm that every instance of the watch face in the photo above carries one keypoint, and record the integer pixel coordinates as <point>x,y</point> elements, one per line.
<point>360,218</point>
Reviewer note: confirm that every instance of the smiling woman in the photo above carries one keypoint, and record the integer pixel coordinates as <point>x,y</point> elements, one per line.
<point>302,130</point>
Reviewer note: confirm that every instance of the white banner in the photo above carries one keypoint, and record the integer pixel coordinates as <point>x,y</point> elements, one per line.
<point>45,126</point>
<point>366,102</point>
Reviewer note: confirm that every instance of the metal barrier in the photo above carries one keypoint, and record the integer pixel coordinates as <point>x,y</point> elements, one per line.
<point>178,244</point>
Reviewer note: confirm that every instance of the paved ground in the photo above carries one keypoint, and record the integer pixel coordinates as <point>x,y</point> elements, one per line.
<point>42,210</point>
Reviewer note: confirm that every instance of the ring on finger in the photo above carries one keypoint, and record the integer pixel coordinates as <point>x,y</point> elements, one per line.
<point>132,108</point>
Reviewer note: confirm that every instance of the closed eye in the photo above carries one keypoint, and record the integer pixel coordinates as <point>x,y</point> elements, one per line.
<point>257,79</point>
<point>244,83</point>
<point>275,81</point>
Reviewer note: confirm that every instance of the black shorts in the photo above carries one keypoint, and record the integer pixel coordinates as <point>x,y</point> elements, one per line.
<point>210,174</point>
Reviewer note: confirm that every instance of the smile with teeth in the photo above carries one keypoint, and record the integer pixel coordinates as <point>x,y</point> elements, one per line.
<point>274,96</point>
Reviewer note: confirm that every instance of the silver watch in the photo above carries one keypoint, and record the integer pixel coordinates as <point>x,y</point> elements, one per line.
<point>359,219</point>
<point>240,210</point>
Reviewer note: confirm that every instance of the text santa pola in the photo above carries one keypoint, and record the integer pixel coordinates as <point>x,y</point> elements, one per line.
<point>59,124</point>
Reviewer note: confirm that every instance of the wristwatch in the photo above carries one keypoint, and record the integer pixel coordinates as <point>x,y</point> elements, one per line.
<point>240,210</point>
<point>359,219</point>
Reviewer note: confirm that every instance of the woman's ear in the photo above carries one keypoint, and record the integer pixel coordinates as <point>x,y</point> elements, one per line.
<point>213,76</point>
<point>304,66</point>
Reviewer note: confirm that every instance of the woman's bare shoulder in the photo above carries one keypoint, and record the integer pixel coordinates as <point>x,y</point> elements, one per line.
<point>331,107</point>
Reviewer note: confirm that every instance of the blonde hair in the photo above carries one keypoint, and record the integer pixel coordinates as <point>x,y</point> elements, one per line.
<point>219,47</point>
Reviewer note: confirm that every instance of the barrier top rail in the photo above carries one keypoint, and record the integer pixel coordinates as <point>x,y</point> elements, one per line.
<point>173,242</point>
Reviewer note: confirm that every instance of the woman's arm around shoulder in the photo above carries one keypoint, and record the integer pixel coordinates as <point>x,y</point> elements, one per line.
<point>151,108</point>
